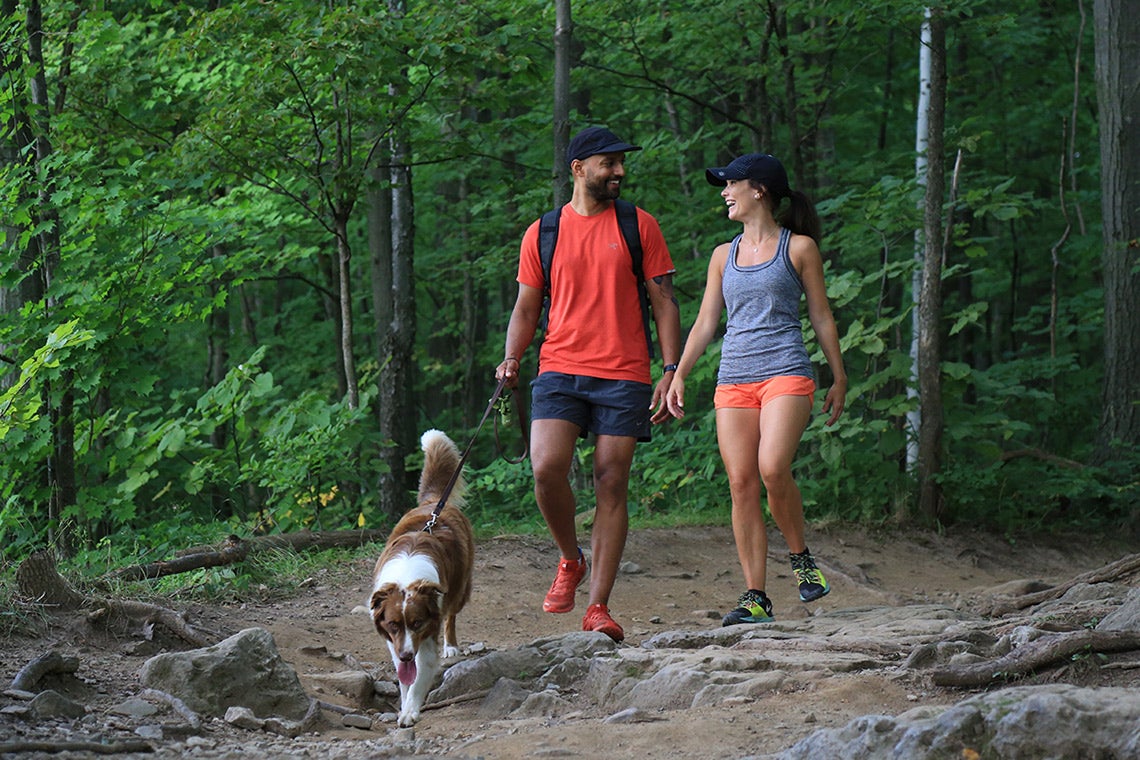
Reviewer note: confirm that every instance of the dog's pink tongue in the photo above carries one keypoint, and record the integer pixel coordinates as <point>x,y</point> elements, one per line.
<point>406,672</point>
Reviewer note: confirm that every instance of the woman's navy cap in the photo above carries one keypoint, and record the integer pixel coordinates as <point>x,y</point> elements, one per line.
<point>594,140</point>
<point>759,167</point>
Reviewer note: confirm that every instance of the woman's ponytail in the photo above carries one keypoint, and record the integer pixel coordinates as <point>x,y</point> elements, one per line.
<point>801,217</point>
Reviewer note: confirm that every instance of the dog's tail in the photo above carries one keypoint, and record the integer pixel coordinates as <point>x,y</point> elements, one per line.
<point>441,458</point>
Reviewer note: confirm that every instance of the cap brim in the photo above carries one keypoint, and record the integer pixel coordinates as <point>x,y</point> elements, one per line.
<point>619,148</point>
<point>716,176</point>
<point>614,148</point>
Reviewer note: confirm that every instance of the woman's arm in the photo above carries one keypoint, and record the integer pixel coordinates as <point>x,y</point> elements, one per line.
<point>808,262</point>
<point>702,331</point>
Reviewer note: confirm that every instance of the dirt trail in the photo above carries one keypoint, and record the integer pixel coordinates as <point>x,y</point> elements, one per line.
<point>674,579</point>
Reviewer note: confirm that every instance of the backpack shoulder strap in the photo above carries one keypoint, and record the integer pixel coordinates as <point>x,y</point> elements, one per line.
<point>547,239</point>
<point>627,221</point>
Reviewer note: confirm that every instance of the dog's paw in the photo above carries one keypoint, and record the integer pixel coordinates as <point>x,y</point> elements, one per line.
<point>450,651</point>
<point>408,718</point>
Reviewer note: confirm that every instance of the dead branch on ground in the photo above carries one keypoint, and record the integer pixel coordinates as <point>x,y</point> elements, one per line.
<point>235,549</point>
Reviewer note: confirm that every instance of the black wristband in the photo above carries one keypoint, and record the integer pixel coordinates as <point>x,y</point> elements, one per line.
<point>670,368</point>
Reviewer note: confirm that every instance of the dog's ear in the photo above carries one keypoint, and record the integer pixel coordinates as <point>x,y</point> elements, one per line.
<point>379,596</point>
<point>429,589</point>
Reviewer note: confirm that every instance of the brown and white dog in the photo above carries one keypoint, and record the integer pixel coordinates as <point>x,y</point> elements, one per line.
<point>423,579</point>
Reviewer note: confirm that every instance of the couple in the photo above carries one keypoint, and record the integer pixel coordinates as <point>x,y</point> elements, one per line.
<point>594,371</point>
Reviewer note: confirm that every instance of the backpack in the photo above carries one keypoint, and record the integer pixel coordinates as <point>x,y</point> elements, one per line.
<point>627,222</point>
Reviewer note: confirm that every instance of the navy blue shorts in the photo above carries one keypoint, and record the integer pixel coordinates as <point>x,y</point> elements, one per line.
<point>601,407</point>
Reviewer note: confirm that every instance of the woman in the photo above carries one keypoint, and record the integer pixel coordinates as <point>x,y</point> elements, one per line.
<point>765,385</point>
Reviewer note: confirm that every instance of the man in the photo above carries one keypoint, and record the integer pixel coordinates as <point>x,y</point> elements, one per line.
<point>594,365</point>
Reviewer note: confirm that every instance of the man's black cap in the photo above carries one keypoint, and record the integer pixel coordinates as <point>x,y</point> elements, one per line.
<point>594,140</point>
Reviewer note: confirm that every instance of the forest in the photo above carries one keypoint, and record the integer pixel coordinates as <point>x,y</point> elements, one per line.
<point>251,250</point>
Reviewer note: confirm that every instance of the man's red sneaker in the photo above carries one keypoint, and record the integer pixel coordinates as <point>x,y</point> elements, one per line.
<point>571,573</point>
<point>598,619</point>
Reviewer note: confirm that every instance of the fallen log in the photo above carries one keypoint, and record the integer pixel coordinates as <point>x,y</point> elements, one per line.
<point>235,549</point>
<point>1037,654</point>
<point>1119,570</point>
<point>38,579</point>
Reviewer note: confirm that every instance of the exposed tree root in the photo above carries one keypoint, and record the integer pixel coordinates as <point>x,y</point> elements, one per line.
<point>45,664</point>
<point>1048,650</point>
<point>96,748</point>
<point>1119,570</point>
<point>38,579</point>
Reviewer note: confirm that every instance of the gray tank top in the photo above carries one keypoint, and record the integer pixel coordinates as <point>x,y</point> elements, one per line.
<point>764,337</point>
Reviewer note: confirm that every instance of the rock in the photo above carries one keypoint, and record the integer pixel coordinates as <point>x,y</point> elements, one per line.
<point>1051,722</point>
<point>243,717</point>
<point>503,699</point>
<point>537,658</point>
<point>355,685</point>
<point>543,704</point>
<point>356,720</point>
<point>631,715</point>
<point>26,696</point>
<point>51,704</point>
<point>244,670</point>
<point>135,707</point>
<point>1124,618</point>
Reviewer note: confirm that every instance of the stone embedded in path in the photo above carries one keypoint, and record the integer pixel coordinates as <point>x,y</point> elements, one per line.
<point>50,704</point>
<point>245,670</point>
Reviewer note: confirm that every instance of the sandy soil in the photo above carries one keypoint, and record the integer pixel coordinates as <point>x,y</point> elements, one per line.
<point>676,579</point>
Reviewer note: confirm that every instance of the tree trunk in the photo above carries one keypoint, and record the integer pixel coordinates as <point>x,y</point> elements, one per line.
<point>397,413</point>
<point>473,392</point>
<point>379,214</point>
<point>563,50</point>
<point>217,360</point>
<point>61,468</point>
<point>1118,102</point>
<point>15,137</point>
<point>344,278</point>
<point>930,501</point>
<point>921,149</point>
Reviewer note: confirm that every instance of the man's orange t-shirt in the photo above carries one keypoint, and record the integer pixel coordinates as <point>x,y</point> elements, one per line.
<point>595,327</point>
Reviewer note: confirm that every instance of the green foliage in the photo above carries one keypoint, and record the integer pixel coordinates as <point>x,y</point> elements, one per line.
<point>189,318</point>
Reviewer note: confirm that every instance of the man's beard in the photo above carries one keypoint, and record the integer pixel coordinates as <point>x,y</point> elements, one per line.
<point>600,190</point>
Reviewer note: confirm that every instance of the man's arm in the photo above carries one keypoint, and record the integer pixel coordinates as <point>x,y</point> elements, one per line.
<point>520,333</point>
<point>667,317</point>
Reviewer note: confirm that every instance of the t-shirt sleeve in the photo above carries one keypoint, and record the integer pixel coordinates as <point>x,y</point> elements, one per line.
<point>530,268</point>
<point>655,258</point>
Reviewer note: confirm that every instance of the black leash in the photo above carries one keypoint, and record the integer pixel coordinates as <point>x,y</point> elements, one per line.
<point>491,404</point>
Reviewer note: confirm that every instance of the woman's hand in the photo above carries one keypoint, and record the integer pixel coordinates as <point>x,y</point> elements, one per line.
<point>835,400</point>
<point>675,398</point>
